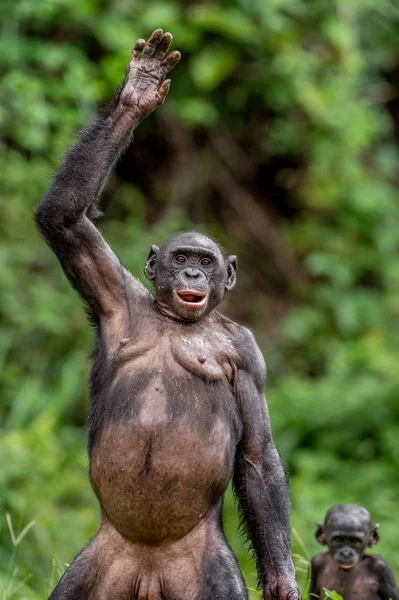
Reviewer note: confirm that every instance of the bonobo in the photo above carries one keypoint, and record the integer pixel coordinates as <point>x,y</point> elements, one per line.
<point>345,568</point>
<point>177,404</point>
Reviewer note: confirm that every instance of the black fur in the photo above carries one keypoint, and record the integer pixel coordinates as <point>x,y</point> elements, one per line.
<point>167,367</point>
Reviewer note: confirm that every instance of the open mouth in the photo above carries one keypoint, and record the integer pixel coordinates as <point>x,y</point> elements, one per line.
<point>191,298</point>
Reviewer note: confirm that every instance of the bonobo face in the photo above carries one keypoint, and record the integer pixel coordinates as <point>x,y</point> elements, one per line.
<point>347,531</point>
<point>347,545</point>
<point>191,275</point>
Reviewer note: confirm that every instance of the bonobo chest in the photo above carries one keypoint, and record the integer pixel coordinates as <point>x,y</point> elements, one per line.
<point>358,583</point>
<point>171,375</point>
<point>201,350</point>
<point>165,451</point>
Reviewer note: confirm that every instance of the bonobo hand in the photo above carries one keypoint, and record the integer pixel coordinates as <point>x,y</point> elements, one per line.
<point>145,86</point>
<point>281,587</point>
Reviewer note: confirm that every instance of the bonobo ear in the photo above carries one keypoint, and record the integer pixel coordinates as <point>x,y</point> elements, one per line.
<point>320,535</point>
<point>231,264</point>
<point>149,269</point>
<point>374,535</point>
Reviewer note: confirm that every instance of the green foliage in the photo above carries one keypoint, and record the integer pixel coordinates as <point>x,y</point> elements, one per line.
<point>304,83</point>
<point>332,595</point>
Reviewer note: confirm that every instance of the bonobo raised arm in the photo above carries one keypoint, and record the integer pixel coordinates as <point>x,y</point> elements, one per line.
<point>64,215</point>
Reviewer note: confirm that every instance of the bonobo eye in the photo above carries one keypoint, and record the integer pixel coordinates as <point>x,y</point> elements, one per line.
<point>338,539</point>
<point>355,541</point>
<point>205,262</point>
<point>180,259</point>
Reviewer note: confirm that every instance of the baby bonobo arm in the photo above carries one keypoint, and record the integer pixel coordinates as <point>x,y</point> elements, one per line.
<point>261,483</point>
<point>64,216</point>
<point>316,566</point>
<point>388,589</point>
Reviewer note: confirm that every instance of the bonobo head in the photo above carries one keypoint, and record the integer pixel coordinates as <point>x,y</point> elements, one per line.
<point>191,274</point>
<point>347,531</point>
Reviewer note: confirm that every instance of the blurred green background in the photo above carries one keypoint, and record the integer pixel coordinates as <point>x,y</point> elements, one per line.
<point>279,137</point>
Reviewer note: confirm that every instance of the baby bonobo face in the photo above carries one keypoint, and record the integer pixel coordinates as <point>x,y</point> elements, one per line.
<point>347,544</point>
<point>347,531</point>
<point>191,275</point>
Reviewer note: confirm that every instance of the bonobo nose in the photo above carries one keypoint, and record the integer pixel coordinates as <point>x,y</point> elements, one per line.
<point>346,552</point>
<point>191,273</point>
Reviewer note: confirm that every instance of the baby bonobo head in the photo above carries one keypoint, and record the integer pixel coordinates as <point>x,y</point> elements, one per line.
<point>191,274</point>
<point>347,531</point>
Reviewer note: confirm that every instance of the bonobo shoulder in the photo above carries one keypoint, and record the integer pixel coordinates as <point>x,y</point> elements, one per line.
<point>379,564</point>
<point>319,560</point>
<point>253,351</point>
<point>251,357</point>
<point>137,307</point>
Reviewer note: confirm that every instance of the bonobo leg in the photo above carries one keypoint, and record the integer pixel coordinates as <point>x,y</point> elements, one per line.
<point>107,569</point>
<point>199,566</point>
<point>78,581</point>
<point>223,578</point>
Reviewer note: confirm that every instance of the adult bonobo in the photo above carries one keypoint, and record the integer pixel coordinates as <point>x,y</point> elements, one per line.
<point>345,568</point>
<point>177,401</point>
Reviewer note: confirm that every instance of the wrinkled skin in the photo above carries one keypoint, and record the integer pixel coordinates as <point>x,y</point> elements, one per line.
<point>190,262</point>
<point>177,391</point>
<point>345,568</point>
<point>145,86</point>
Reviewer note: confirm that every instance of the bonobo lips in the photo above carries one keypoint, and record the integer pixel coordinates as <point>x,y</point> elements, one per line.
<point>191,298</point>
<point>346,567</point>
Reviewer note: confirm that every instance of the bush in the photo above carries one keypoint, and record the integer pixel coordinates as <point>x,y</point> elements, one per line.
<point>277,138</point>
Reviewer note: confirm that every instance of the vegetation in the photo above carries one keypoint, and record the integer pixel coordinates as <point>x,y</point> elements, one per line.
<point>279,136</point>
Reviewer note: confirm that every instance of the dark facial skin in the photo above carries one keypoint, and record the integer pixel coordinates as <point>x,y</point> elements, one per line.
<point>345,568</point>
<point>191,275</point>
<point>177,391</point>
<point>347,532</point>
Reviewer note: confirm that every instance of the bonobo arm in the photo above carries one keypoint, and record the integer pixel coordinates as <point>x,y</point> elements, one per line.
<point>387,588</point>
<point>315,568</point>
<point>64,215</point>
<point>261,483</point>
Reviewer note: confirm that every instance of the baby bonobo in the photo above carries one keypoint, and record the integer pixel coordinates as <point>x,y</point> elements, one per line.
<point>345,568</point>
<point>177,404</point>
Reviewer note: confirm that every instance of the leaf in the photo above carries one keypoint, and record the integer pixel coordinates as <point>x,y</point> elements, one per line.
<point>197,111</point>
<point>332,595</point>
<point>210,67</point>
<point>229,22</point>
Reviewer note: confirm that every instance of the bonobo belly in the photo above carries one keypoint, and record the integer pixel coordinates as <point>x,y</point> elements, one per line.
<point>353,584</point>
<point>156,470</point>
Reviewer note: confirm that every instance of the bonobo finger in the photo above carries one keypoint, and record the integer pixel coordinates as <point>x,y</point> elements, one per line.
<point>164,45</point>
<point>153,42</point>
<point>171,60</point>
<point>294,595</point>
<point>163,91</point>
<point>138,48</point>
